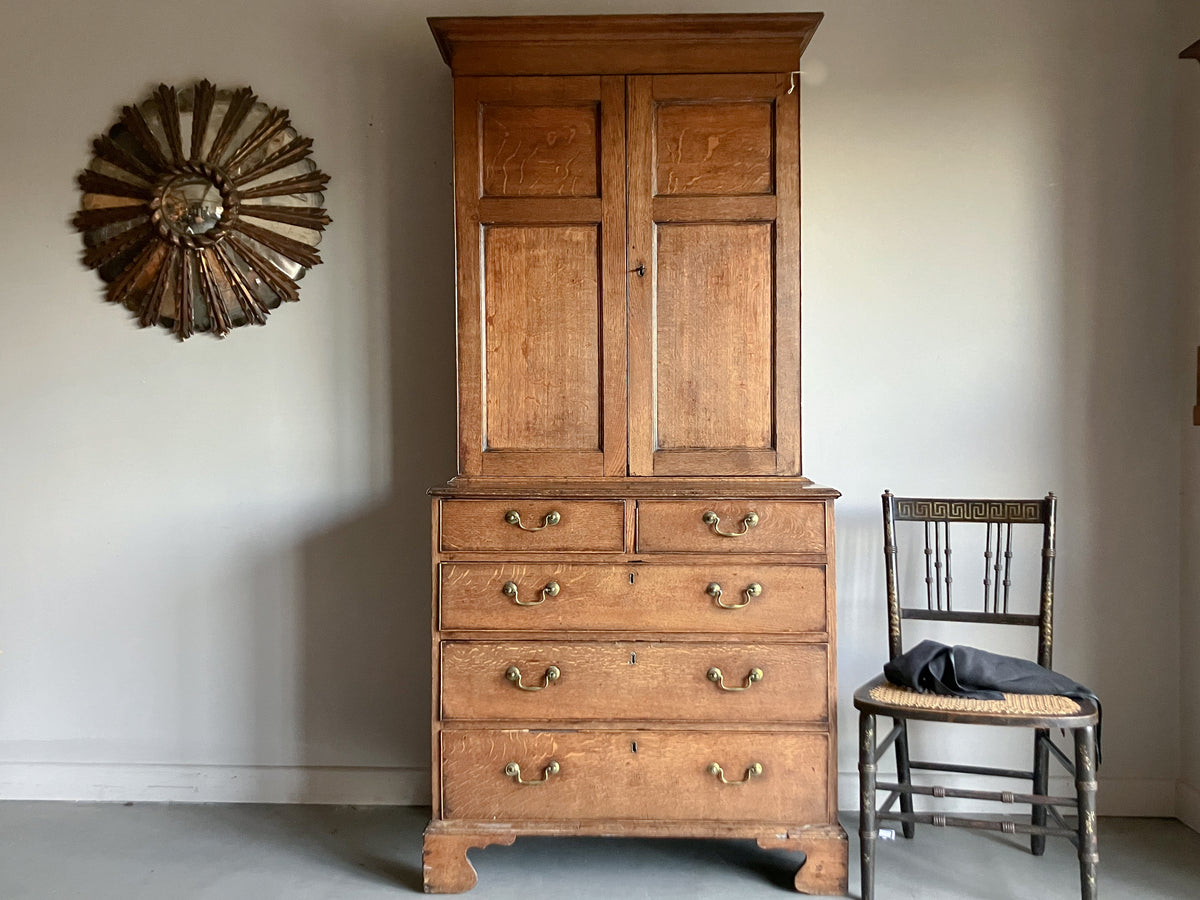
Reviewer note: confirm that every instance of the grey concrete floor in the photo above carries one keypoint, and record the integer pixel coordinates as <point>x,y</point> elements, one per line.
<point>56,851</point>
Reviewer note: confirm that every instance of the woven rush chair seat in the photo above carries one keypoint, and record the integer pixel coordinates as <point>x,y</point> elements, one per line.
<point>887,699</point>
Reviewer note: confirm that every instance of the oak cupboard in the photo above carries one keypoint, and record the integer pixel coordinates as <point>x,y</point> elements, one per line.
<point>633,581</point>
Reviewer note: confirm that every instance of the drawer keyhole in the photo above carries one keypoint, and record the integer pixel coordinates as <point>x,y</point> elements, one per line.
<point>633,659</point>
<point>634,746</point>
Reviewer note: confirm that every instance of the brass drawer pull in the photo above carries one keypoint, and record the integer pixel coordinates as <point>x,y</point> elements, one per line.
<point>712,519</point>
<point>751,591</point>
<point>552,675</point>
<point>512,770</point>
<point>512,517</point>
<point>752,771</point>
<point>718,678</point>
<point>509,589</point>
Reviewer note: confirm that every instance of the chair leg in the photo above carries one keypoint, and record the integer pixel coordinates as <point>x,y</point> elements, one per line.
<point>866,802</point>
<point>1085,787</point>
<point>904,774</point>
<point>1041,783</point>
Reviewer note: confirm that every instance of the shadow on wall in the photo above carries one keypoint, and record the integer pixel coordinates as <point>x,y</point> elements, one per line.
<point>363,654</point>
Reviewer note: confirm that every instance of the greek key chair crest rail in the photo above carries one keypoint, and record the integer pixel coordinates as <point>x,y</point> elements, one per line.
<point>934,518</point>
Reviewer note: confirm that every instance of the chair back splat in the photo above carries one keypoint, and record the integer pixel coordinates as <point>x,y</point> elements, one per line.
<point>998,518</point>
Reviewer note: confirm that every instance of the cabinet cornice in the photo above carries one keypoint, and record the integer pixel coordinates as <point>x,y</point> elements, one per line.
<point>622,45</point>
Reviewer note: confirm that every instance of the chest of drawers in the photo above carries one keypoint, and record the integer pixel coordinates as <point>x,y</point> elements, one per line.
<point>632,663</point>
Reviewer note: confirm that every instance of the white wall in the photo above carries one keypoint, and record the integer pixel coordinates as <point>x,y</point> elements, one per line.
<point>988,311</point>
<point>1187,225</point>
<point>213,556</point>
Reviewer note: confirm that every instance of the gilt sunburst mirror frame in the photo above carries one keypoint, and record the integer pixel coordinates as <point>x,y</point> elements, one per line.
<point>201,209</point>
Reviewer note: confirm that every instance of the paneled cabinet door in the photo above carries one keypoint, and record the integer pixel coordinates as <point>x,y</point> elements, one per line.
<point>540,198</point>
<point>714,322</point>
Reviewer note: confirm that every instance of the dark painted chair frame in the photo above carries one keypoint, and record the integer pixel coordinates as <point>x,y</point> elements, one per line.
<point>999,516</point>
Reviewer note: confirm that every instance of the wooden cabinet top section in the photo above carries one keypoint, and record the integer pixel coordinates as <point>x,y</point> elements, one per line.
<point>621,45</point>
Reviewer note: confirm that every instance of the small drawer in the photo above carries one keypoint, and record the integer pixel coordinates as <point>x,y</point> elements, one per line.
<point>718,598</point>
<point>537,525</point>
<point>591,775</point>
<point>731,526</point>
<point>542,681</point>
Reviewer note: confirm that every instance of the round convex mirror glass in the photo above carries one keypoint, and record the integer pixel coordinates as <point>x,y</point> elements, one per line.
<point>191,205</point>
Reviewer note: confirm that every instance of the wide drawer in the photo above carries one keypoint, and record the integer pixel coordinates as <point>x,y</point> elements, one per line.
<point>731,526</point>
<point>523,524</point>
<point>709,597</point>
<point>635,775</point>
<point>634,681</point>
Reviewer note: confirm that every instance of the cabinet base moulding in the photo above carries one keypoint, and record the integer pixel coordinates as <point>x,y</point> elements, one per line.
<point>446,869</point>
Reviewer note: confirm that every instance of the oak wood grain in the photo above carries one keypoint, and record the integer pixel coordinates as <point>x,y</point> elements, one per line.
<point>584,525</point>
<point>825,868</point>
<point>650,827</point>
<point>713,308</point>
<point>787,280</point>
<point>629,336</point>
<point>619,45</point>
<point>649,487</point>
<point>636,597</point>
<point>640,256</point>
<point>435,722</point>
<point>614,276</point>
<point>832,685</point>
<point>714,325</point>
<point>627,775</point>
<point>634,681</point>
<point>784,526</point>
<point>714,148</point>
<point>542,337</point>
<point>445,868</point>
<point>540,151</point>
<point>467,187</point>
<point>541,311</point>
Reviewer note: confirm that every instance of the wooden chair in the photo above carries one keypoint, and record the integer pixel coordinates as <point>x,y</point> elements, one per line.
<point>1041,713</point>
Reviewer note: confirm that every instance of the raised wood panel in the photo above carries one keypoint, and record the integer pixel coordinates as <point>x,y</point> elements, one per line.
<point>540,151</point>
<point>713,308</point>
<point>627,775</point>
<point>542,337</point>
<point>784,526</point>
<point>713,149</point>
<point>652,597</point>
<point>535,397</point>
<point>714,338</point>
<point>583,525</point>
<point>634,680</point>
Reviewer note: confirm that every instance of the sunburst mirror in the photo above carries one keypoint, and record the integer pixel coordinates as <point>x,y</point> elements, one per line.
<point>201,209</point>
